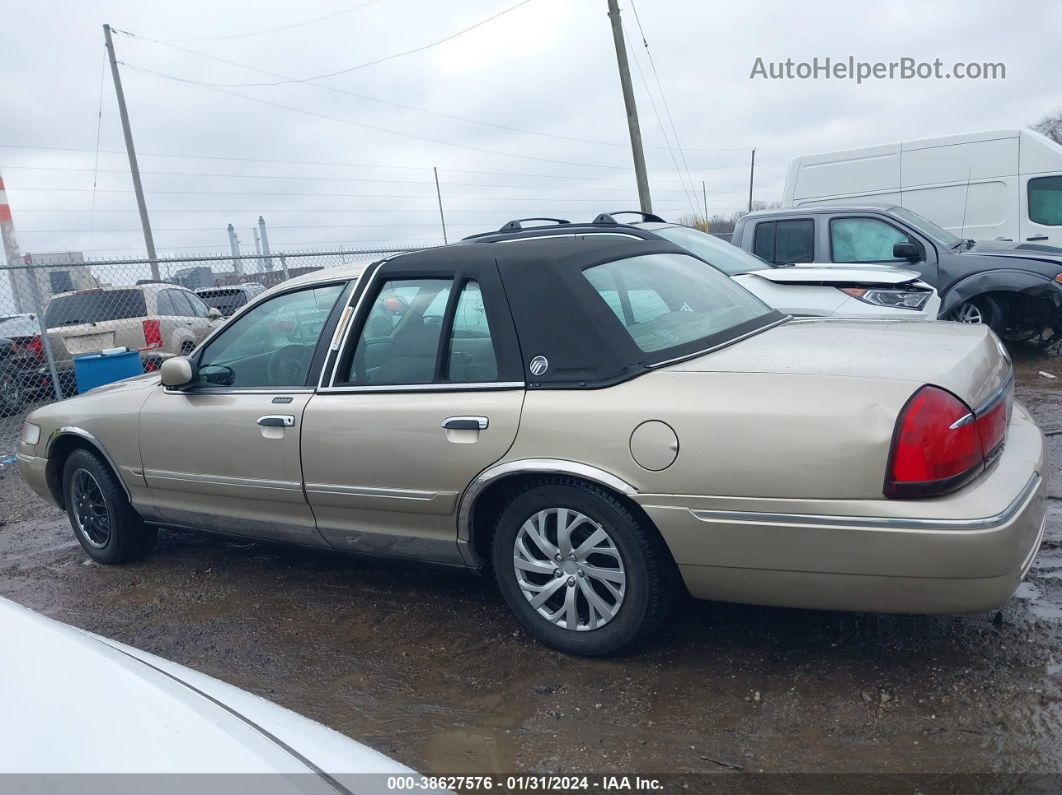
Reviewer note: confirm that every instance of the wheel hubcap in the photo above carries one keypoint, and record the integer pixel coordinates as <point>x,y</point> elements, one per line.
<point>969,313</point>
<point>90,509</point>
<point>569,569</point>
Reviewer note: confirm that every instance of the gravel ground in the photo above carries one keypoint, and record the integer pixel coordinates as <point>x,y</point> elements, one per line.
<point>429,667</point>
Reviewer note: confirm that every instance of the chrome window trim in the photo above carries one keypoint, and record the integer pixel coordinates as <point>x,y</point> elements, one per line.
<point>365,282</point>
<point>721,345</point>
<point>247,390</point>
<point>433,387</point>
<point>553,466</point>
<point>893,524</point>
<point>73,430</point>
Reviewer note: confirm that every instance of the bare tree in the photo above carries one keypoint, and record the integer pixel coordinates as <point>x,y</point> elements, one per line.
<point>1050,125</point>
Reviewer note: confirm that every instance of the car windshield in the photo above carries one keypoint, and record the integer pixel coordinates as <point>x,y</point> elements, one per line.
<point>937,234</point>
<point>671,300</point>
<point>225,301</point>
<point>731,260</point>
<point>94,307</point>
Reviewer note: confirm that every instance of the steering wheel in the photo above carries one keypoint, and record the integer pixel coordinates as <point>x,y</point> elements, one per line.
<point>288,365</point>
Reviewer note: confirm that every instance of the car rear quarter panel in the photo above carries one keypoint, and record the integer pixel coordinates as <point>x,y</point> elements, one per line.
<point>743,435</point>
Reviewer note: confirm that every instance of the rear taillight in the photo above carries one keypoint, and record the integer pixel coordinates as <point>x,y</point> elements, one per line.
<point>939,443</point>
<point>152,334</point>
<point>36,347</point>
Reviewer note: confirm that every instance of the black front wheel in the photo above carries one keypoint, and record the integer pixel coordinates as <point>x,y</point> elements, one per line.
<point>10,394</point>
<point>105,524</point>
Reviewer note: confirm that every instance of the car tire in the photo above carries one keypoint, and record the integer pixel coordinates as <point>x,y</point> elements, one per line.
<point>984,310</point>
<point>10,394</point>
<point>624,568</point>
<point>104,522</point>
<point>187,347</point>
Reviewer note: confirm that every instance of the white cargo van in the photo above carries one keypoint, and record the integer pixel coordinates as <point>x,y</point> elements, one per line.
<point>1003,185</point>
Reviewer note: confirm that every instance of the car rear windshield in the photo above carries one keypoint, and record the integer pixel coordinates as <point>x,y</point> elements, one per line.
<point>224,299</point>
<point>94,307</point>
<point>671,300</point>
<point>727,258</point>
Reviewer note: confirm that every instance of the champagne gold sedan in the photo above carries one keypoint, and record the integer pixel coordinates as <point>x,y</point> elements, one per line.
<point>598,423</point>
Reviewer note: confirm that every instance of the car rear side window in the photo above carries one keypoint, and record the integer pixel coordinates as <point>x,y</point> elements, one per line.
<point>95,307</point>
<point>1045,201</point>
<point>670,300</point>
<point>783,242</point>
<point>471,358</point>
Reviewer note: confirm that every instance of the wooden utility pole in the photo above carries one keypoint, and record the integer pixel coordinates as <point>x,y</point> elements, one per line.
<point>438,195</point>
<point>149,241</point>
<point>752,176</point>
<point>704,194</point>
<point>632,108</point>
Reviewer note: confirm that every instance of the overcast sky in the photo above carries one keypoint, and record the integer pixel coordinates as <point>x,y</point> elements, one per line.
<point>333,168</point>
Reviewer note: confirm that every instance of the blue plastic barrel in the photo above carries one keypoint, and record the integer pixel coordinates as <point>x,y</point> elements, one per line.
<point>97,369</point>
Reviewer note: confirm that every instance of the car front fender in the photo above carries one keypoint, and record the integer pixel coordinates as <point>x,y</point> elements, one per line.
<point>1001,281</point>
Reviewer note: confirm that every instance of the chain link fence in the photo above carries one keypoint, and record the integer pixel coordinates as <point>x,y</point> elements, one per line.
<point>58,311</point>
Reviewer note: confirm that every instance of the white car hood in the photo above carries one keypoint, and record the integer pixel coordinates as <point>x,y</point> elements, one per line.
<point>73,702</point>
<point>814,274</point>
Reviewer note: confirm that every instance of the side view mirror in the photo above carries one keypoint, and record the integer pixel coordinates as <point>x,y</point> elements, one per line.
<point>178,372</point>
<point>213,313</point>
<point>907,251</point>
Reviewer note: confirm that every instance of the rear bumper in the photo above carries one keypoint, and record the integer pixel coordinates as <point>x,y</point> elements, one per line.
<point>964,552</point>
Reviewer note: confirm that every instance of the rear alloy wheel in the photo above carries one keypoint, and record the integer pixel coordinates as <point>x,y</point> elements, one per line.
<point>579,569</point>
<point>104,522</point>
<point>10,394</point>
<point>984,310</point>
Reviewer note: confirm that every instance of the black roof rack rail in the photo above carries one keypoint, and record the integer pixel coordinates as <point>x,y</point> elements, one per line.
<point>516,224</point>
<point>607,218</point>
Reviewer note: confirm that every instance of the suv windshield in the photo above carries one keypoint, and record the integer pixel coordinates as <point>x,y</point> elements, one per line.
<point>937,234</point>
<point>94,307</point>
<point>731,260</point>
<point>671,300</point>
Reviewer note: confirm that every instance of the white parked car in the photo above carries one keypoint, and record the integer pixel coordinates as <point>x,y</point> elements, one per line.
<point>76,703</point>
<point>866,292</point>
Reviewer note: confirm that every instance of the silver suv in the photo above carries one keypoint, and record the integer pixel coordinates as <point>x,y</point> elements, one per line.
<point>158,319</point>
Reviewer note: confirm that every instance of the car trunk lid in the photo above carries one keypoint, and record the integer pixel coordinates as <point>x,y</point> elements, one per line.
<point>967,360</point>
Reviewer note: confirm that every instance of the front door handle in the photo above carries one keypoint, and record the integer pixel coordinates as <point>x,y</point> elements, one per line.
<point>277,421</point>
<point>465,423</point>
<point>1037,237</point>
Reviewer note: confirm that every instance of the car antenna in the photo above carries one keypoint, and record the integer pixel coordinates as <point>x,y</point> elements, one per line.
<point>965,204</point>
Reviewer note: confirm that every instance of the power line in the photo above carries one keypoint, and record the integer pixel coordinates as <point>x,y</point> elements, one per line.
<point>663,99</point>
<point>334,89</point>
<point>285,27</point>
<point>391,57</point>
<point>372,127</point>
<point>275,161</point>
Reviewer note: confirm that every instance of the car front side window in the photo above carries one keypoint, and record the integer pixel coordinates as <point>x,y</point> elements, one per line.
<point>399,342</point>
<point>273,344</point>
<point>864,240</point>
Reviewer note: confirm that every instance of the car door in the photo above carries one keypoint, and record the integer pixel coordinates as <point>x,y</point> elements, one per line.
<point>426,392</point>
<point>862,240</point>
<point>223,454</point>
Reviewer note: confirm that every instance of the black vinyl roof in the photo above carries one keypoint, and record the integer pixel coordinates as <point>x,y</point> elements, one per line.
<point>556,311</point>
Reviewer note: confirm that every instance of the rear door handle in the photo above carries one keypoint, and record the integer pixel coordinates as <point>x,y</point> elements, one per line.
<point>465,423</point>
<point>1037,237</point>
<point>277,421</point>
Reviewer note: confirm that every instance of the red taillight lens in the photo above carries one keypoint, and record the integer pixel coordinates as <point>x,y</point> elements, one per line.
<point>152,334</point>
<point>936,446</point>
<point>36,347</point>
<point>991,425</point>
